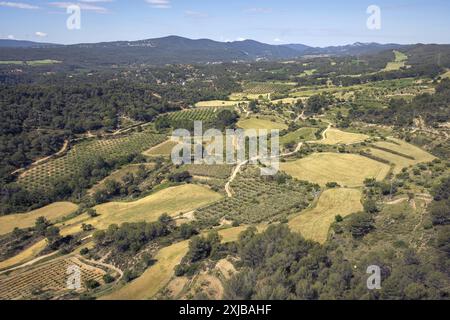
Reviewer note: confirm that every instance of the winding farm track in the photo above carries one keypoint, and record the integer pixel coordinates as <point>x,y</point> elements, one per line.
<point>63,150</point>
<point>29,263</point>
<point>236,170</point>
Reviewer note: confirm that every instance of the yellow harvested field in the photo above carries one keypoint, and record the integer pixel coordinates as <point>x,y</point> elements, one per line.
<point>173,201</point>
<point>403,148</point>
<point>158,275</point>
<point>335,136</point>
<point>217,103</point>
<point>163,149</point>
<point>24,256</point>
<point>254,123</point>
<point>349,170</point>
<point>315,223</point>
<point>52,212</point>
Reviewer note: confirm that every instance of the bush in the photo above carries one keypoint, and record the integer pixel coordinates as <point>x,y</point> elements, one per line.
<point>91,284</point>
<point>361,224</point>
<point>108,278</point>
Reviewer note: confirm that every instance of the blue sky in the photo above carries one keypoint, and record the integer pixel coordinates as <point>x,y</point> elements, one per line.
<point>313,22</point>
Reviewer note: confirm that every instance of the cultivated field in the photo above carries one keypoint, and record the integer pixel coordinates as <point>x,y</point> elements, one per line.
<point>302,134</point>
<point>348,170</point>
<point>400,153</point>
<point>217,103</point>
<point>51,277</point>
<point>256,200</point>
<point>163,149</point>
<point>254,123</point>
<point>45,175</point>
<point>334,136</point>
<point>173,201</point>
<point>200,114</point>
<point>52,212</point>
<point>267,87</point>
<point>398,63</point>
<point>315,223</point>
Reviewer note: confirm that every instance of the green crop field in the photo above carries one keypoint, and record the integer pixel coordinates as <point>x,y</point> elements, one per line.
<point>300,135</point>
<point>45,175</point>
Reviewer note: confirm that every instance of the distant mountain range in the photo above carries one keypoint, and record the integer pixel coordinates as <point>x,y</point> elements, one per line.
<point>174,49</point>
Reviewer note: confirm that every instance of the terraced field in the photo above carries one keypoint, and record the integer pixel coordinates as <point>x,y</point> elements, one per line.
<point>334,136</point>
<point>256,199</point>
<point>348,170</point>
<point>47,174</point>
<point>400,153</point>
<point>51,276</point>
<point>52,212</point>
<point>173,201</point>
<point>315,223</point>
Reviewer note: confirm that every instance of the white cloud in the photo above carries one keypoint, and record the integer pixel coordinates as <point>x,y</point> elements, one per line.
<point>241,39</point>
<point>159,4</point>
<point>11,37</point>
<point>17,5</point>
<point>83,6</point>
<point>277,40</point>
<point>40,34</point>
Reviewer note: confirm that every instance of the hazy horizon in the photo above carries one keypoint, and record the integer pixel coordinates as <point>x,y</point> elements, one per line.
<point>314,24</point>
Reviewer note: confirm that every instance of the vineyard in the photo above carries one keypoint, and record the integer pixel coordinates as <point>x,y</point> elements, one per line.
<point>70,165</point>
<point>266,87</point>
<point>50,277</point>
<point>201,114</point>
<point>258,199</point>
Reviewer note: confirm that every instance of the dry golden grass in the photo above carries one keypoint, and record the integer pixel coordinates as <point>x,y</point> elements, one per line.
<point>24,256</point>
<point>173,201</point>
<point>52,212</point>
<point>404,148</point>
<point>315,223</point>
<point>254,123</point>
<point>335,136</point>
<point>216,103</point>
<point>348,170</point>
